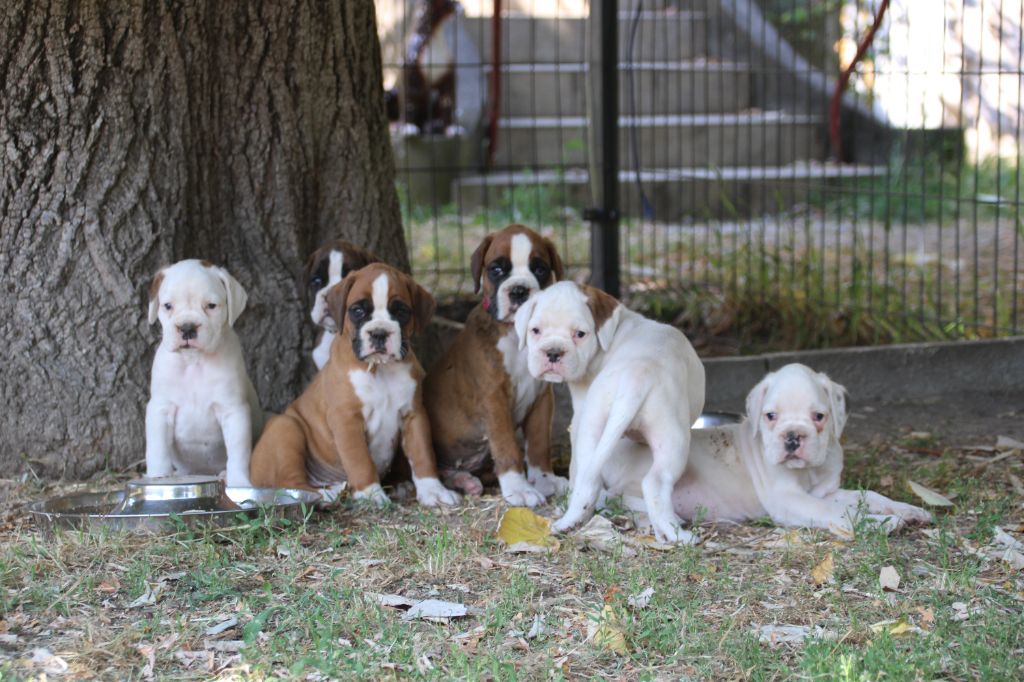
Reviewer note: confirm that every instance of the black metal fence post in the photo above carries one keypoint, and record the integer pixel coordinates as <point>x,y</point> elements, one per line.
<point>604,241</point>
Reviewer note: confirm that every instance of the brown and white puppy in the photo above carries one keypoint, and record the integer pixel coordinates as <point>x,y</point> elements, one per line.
<point>365,402</point>
<point>480,392</point>
<point>635,384</point>
<point>203,414</point>
<point>326,267</point>
<point>784,461</point>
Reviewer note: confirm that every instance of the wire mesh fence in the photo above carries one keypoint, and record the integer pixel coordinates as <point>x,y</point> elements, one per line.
<point>759,207</point>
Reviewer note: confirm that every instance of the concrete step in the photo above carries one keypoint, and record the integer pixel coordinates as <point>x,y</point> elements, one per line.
<point>686,87</point>
<point>526,39</point>
<point>674,193</point>
<point>688,140</point>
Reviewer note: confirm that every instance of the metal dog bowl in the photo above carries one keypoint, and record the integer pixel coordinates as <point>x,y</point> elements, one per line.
<point>164,504</point>
<point>709,420</point>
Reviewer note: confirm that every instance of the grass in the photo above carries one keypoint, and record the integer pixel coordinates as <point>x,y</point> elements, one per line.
<point>302,595</point>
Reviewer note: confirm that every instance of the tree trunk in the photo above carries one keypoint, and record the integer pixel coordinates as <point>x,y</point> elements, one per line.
<point>133,135</point>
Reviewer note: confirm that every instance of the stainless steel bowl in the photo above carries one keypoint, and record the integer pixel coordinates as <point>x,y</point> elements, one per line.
<point>115,510</point>
<point>174,495</point>
<point>709,420</point>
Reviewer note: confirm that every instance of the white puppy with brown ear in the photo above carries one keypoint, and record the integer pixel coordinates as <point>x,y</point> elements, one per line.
<point>203,414</point>
<point>636,385</point>
<point>784,461</point>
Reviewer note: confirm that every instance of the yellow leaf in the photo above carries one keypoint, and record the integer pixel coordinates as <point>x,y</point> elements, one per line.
<point>929,496</point>
<point>607,631</point>
<point>896,628</point>
<point>520,525</point>
<point>822,573</point>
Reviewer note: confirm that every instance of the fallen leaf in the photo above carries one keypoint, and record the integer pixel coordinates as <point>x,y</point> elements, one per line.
<point>960,611</point>
<point>823,572</point>
<point>783,538</point>
<point>600,534</point>
<point>435,610</point>
<point>220,627</point>
<point>895,627</point>
<point>607,631</point>
<point>109,585</point>
<point>51,665</point>
<point>640,601</point>
<point>530,548</point>
<point>149,653</point>
<point>929,496</point>
<point>775,634</point>
<point>149,597</point>
<point>927,615</point>
<point>1007,443</point>
<point>520,525</point>
<point>395,601</point>
<point>889,579</point>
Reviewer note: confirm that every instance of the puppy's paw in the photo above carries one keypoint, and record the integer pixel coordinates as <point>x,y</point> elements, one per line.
<point>547,483</point>
<point>372,494</point>
<point>331,493</point>
<point>430,493</point>
<point>671,532</point>
<point>517,491</point>
<point>564,524</point>
<point>464,481</point>
<point>913,515</point>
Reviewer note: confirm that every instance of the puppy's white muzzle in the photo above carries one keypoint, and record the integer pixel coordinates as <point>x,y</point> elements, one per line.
<point>188,331</point>
<point>513,293</point>
<point>380,341</point>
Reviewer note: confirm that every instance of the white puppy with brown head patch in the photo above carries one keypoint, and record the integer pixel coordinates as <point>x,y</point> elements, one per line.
<point>203,414</point>
<point>635,384</point>
<point>784,461</point>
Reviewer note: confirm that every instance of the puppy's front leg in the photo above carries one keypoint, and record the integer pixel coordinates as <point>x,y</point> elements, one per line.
<point>349,433</point>
<point>508,458</point>
<point>537,429</point>
<point>791,506</point>
<point>881,507</point>
<point>159,438</point>
<point>236,427</point>
<point>416,444</point>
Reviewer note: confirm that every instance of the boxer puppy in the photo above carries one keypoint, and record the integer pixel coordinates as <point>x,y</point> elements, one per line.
<point>364,403</point>
<point>784,461</point>
<point>203,414</point>
<point>480,391</point>
<point>326,267</point>
<point>635,384</point>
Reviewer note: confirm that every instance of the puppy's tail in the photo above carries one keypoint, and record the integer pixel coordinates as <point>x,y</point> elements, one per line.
<point>627,402</point>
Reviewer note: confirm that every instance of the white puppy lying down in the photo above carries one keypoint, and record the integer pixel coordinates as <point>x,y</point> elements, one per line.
<point>203,414</point>
<point>784,461</point>
<point>636,384</point>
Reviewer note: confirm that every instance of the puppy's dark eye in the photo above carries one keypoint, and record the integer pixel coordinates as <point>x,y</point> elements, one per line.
<point>316,283</point>
<point>167,306</point>
<point>401,312</point>
<point>535,330</point>
<point>496,271</point>
<point>580,334</point>
<point>770,416</point>
<point>819,416</point>
<point>211,306</point>
<point>357,312</point>
<point>540,271</point>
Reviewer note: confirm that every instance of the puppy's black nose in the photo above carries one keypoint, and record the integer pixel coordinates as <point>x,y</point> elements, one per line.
<point>555,355</point>
<point>518,294</point>
<point>379,339</point>
<point>188,331</point>
<point>792,441</point>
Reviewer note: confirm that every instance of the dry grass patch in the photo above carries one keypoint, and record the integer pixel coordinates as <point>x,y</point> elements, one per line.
<point>264,601</point>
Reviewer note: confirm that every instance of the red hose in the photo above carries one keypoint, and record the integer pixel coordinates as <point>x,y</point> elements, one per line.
<point>844,79</point>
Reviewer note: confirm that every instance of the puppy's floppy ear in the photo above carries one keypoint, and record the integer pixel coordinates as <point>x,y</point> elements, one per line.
<point>755,404</point>
<point>154,295</point>
<point>237,297</point>
<point>555,260</point>
<point>606,312</point>
<point>476,262</point>
<point>837,404</point>
<point>522,319</point>
<point>357,257</point>
<point>337,301</point>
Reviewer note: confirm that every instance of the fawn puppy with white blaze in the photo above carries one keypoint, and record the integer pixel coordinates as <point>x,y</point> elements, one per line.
<point>636,384</point>
<point>327,266</point>
<point>480,392</point>
<point>365,403</point>
<point>203,414</point>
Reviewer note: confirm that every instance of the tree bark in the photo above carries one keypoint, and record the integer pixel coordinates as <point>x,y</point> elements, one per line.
<point>133,135</point>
